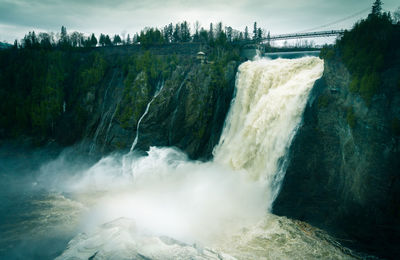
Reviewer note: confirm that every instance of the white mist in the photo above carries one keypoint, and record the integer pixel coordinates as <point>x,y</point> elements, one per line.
<point>150,202</point>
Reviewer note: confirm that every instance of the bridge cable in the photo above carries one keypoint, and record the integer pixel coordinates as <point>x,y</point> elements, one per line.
<point>337,21</point>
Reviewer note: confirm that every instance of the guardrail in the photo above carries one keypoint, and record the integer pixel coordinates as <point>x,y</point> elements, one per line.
<point>303,35</point>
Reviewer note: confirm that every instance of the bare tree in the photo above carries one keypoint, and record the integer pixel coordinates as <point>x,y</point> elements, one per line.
<point>76,39</point>
<point>123,33</point>
<point>246,33</point>
<point>229,33</point>
<point>197,27</point>
<point>377,7</point>
<point>396,15</point>
<point>45,40</point>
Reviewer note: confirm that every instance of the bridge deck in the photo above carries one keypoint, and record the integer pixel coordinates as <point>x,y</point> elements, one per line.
<point>255,43</point>
<point>304,35</point>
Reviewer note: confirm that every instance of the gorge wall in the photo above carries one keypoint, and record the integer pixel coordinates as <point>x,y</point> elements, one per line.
<point>343,174</point>
<point>96,97</point>
<point>188,112</point>
<point>343,167</point>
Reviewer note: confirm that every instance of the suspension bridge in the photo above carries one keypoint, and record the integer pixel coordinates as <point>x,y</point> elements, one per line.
<point>251,47</point>
<point>289,36</point>
<point>316,31</point>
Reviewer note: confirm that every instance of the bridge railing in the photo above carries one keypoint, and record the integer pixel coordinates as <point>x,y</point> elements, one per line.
<point>290,36</point>
<point>303,35</point>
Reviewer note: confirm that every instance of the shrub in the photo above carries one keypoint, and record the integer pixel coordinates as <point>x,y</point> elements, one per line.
<point>323,101</point>
<point>327,53</point>
<point>354,85</point>
<point>350,117</point>
<point>367,50</point>
<point>369,87</point>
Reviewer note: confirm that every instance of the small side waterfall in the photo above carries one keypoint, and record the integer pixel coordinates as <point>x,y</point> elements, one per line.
<point>160,86</point>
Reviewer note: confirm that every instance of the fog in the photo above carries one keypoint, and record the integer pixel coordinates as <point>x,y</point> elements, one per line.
<point>163,192</point>
<point>161,205</point>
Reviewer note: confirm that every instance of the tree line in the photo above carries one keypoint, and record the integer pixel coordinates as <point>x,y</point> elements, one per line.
<point>216,34</point>
<point>368,50</point>
<point>42,90</point>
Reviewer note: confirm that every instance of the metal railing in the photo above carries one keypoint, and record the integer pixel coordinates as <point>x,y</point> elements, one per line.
<point>303,35</point>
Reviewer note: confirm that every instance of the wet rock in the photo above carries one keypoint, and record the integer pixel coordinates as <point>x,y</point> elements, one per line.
<point>188,113</point>
<point>343,175</point>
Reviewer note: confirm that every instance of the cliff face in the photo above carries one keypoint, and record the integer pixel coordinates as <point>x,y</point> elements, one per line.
<point>96,97</point>
<point>343,174</point>
<point>188,112</point>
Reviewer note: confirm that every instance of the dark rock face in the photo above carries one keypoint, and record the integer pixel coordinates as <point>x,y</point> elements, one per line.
<point>96,97</point>
<point>188,113</point>
<point>344,174</point>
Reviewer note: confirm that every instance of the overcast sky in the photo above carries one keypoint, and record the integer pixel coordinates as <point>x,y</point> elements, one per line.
<point>17,17</point>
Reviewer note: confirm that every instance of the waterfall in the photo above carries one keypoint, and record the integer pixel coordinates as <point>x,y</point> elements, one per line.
<point>165,206</point>
<point>270,99</point>
<point>159,89</point>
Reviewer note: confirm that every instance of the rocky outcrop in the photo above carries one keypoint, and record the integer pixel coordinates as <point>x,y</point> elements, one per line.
<point>343,174</point>
<point>95,97</point>
<point>188,112</point>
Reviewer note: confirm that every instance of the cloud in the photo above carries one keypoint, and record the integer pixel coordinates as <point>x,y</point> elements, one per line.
<point>131,16</point>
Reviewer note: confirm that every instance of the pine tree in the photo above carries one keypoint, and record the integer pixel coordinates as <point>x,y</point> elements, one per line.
<point>64,40</point>
<point>377,7</point>
<point>211,33</point>
<point>255,31</point>
<point>35,41</point>
<point>26,42</point>
<point>218,30</point>
<point>63,33</point>
<point>93,41</point>
<point>246,33</point>
<point>102,40</point>
<point>177,33</point>
<point>117,39</point>
<point>196,36</point>
<point>185,32</point>
<point>107,41</point>
<point>203,36</point>
<point>259,34</point>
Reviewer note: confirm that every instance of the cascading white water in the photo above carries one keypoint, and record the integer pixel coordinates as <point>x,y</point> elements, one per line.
<point>159,89</point>
<point>270,99</point>
<point>174,208</point>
